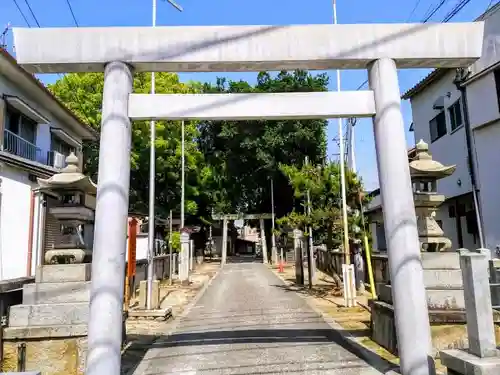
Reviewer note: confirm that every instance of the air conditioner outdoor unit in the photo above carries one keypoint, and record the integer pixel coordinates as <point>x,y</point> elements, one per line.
<point>59,160</point>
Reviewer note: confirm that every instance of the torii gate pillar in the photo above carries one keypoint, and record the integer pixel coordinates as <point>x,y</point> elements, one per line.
<point>405,266</point>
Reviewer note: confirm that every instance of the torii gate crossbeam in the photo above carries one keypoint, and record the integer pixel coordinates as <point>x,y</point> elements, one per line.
<point>380,48</point>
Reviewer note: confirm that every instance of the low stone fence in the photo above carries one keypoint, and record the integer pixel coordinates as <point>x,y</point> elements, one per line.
<point>330,262</point>
<point>161,267</point>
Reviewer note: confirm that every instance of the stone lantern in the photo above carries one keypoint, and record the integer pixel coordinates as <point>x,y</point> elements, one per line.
<point>75,213</point>
<point>53,318</point>
<point>425,173</point>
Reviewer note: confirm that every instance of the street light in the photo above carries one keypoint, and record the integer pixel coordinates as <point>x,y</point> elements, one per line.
<point>152,173</point>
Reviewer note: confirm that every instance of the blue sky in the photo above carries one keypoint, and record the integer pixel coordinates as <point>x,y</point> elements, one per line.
<point>265,12</point>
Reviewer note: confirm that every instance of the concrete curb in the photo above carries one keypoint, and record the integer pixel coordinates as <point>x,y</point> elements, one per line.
<point>143,365</point>
<point>370,357</point>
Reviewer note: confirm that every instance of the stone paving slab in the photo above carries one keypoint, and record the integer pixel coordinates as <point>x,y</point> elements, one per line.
<point>246,323</point>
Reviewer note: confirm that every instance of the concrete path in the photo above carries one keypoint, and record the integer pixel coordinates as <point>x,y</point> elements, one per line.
<point>248,323</point>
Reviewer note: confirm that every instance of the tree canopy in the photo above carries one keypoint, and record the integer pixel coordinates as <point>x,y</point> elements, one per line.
<point>245,155</point>
<point>229,164</point>
<point>82,93</point>
<point>322,182</point>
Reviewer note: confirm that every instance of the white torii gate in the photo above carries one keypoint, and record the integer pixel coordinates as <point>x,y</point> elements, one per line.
<point>380,48</point>
<point>260,217</point>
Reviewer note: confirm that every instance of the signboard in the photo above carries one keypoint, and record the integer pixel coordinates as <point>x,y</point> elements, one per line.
<point>241,216</point>
<point>132,247</point>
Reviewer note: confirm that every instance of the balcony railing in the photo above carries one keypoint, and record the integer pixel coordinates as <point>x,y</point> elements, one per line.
<point>16,145</point>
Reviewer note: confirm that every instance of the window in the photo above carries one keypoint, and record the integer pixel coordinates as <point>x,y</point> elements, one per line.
<point>437,126</point>
<point>61,146</point>
<point>455,111</point>
<point>497,85</point>
<point>21,125</point>
<point>20,135</point>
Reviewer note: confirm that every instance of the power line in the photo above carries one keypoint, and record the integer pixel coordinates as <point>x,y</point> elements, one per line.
<point>456,10</point>
<point>447,18</point>
<point>417,3</point>
<point>434,11</point>
<point>32,13</point>
<point>72,13</point>
<point>22,13</point>
<point>490,5</point>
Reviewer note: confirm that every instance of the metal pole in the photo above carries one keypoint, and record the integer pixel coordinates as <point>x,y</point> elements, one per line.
<point>182,174</point>
<point>352,147</point>
<point>110,233</point>
<point>310,257</point>
<point>461,76</point>
<point>274,250</point>
<point>152,173</point>
<point>405,265</point>
<point>171,262</point>
<point>224,241</point>
<point>342,166</point>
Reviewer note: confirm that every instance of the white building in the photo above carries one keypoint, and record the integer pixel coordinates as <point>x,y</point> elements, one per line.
<point>36,133</point>
<point>439,120</point>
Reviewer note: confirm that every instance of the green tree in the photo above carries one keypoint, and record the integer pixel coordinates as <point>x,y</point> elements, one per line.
<point>82,93</point>
<point>245,155</point>
<point>323,184</point>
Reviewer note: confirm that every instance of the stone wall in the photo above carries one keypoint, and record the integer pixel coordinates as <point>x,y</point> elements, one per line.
<point>56,356</point>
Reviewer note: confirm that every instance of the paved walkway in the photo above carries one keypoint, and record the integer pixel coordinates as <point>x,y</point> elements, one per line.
<point>248,323</point>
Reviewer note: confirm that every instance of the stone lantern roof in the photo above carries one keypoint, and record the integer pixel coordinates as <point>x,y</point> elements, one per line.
<point>70,178</point>
<point>423,165</point>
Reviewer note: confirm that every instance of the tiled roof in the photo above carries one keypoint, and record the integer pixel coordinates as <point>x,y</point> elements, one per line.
<point>426,81</point>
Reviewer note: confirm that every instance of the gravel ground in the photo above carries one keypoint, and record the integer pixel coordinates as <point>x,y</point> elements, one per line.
<point>248,323</point>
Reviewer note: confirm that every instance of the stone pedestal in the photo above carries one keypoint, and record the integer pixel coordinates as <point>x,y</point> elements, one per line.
<point>482,356</point>
<point>51,324</point>
<point>143,292</point>
<point>445,300</point>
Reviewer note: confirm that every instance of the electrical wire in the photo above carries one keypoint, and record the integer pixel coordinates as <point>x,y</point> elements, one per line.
<point>490,5</point>
<point>456,10</point>
<point>425,20</point>
<point>417,3</point>
<point>72,13</point>
<point>21,12</point>
<point>434,11</point>
<point>32,13</point>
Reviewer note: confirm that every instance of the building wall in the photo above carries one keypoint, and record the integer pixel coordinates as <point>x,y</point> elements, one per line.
<point>449,226</point>
<point>14,222</point>
<point>43,138</point>
<point>491,41</point>
<point>482,101</point>
<point>487,141</point>
<point>450,149</point>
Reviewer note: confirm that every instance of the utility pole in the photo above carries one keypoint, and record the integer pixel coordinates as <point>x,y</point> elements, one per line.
<point>274,250</point>
<point>310,256</point>
<point>342,165</point>
<point>182,174</point>
<point>347,269</point>
<point>170,249</point>
<point>152,198</point>
<point>152,174</point>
